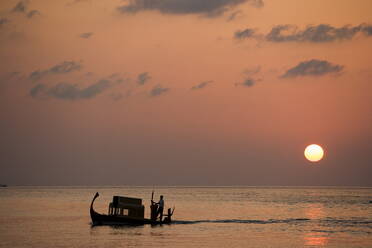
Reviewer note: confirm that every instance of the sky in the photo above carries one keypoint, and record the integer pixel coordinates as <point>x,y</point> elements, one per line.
<point>185,92</point>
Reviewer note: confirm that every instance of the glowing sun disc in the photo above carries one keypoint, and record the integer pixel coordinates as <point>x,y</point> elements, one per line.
<point>314,153</point>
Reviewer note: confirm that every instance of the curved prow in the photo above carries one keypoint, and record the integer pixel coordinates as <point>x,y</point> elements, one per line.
<point>91,205</point>
<point>174,207</point>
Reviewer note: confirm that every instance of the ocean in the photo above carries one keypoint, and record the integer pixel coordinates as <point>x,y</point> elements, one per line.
<point>204,217</point>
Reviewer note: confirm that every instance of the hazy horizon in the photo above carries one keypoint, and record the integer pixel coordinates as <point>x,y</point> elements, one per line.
<point>194,186</point>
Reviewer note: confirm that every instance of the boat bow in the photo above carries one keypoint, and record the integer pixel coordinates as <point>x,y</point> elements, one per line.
<point>92,212</point>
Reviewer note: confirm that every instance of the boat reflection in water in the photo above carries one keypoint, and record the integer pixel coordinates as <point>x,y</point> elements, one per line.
<point>128,211</point>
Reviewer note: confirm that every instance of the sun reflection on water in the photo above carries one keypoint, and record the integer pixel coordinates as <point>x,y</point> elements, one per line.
<point>316,239</point>
<point>315,211</point>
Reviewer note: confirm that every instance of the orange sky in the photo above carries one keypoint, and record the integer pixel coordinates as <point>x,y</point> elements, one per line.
<point>94,123</point>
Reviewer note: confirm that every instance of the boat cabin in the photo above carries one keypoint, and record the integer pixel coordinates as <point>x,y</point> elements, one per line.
<point>129,211</point>
<point>126,206</point>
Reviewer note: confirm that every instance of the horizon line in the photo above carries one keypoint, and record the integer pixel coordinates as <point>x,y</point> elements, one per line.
<point>197,186</point>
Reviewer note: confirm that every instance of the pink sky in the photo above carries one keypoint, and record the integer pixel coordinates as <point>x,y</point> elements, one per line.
<point>214,106</point>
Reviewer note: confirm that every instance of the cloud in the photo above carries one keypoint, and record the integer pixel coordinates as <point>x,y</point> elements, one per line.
<point>316,34</point>
<point>367,30</point>
<point>33,13</point>
<point>235,15</point>
<point>67,91</point>
<point>3,21</point>
<point>21,7</point>
<point>249,82</point>
<point>313,33</point>
<point>201,85</point>
<point>38,90</point>
<point>244,34</point>
<point>142,78</point>
<point>116,78</point>
<point>94,89</point>
<point>312,67</point>
<point>62,68</point>
<point>257,3</point>
<point>178,7</point>
<point>86,35</point>
<point>158,90</point>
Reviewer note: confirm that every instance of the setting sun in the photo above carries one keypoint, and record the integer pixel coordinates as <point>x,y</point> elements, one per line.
<point>314,153</point>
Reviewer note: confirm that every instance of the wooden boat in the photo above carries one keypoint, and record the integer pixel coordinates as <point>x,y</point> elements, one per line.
<point>127,211</point>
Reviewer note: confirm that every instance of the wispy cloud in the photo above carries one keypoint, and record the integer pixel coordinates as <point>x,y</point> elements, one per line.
<point>142,78</point>
<point>33,13</point>
<point>201,85</point>
<point>367,30</point>
<point>313,33</point>
<point>38,90</point>
<point>22,7</point>
<point>244,34</point>
<point>317,34</point>
<point>67,91</point>
<point>206,8</point>
<point>249,82</point>
<point>86,35</point>
<point>3,21</point>
<point>257,3</point>
<point>158,90</point>
<point>62,68</point>
<point>312,67</point>
<point>234,15</point>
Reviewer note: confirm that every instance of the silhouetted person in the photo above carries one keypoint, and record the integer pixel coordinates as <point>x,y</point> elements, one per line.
<point>154,210</point>
<point>160,208</point>
<point>168,217</point>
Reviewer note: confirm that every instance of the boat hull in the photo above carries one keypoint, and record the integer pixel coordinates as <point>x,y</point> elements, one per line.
<point>103,219</point>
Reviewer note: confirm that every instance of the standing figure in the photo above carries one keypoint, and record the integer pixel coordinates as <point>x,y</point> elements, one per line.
<point>154,209</point>
<point>160,208</point>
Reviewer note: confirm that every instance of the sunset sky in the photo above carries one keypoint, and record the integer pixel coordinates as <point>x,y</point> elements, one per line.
<point>185,92</point>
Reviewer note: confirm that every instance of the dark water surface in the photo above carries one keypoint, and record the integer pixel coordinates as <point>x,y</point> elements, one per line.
<point>204,217</point>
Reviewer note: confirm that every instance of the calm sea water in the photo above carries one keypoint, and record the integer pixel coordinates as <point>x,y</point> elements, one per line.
<point>204,217</point>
